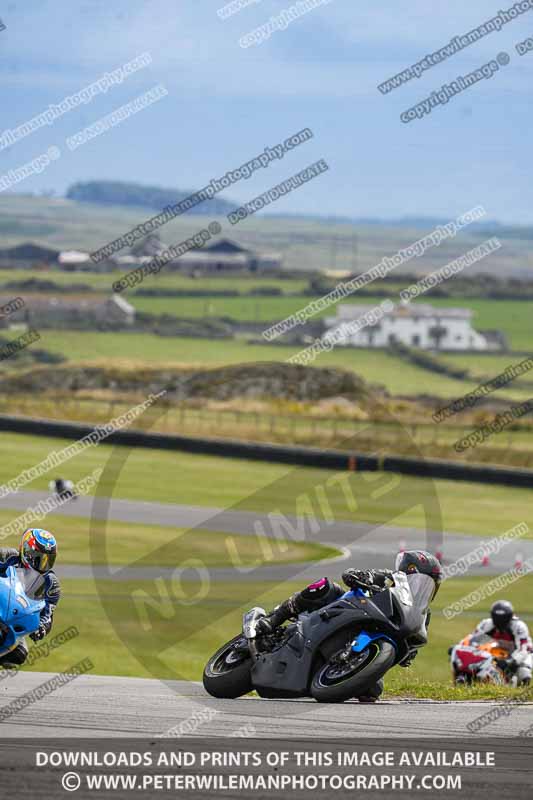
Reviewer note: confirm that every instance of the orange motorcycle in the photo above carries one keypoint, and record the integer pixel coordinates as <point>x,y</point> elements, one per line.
<point>479,659</point>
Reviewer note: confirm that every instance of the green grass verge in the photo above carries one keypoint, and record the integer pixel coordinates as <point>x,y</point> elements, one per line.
<point>215,482</point>
<point>127,543</point>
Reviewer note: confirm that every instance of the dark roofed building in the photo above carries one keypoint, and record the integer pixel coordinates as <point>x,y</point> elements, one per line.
<point>28,254</point>
<point>225,256</point>
<point>226,246</point>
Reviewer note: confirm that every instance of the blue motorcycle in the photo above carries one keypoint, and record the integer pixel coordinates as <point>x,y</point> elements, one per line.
<point>19,615</point>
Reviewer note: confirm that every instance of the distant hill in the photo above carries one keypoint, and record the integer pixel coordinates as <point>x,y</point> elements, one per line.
<point>117,193</point>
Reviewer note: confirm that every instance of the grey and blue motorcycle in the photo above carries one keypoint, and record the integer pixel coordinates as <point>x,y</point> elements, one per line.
<point>334,654</point>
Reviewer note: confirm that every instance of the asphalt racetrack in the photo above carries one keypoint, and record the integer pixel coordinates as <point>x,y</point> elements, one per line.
<point>362,544</point>
<point>99,706</point>
<point>104,706</point>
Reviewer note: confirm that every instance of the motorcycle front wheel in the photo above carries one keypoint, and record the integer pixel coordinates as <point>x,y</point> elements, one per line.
<point>227,673</point>
<point>348,674</point>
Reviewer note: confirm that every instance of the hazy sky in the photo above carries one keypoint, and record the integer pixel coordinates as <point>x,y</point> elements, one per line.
<point>226,103</point>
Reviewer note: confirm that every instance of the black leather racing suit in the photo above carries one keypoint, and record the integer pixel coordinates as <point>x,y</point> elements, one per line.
<point>322,592</point>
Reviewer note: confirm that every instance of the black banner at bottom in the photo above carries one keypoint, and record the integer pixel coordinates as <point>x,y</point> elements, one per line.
<point>267,768</point>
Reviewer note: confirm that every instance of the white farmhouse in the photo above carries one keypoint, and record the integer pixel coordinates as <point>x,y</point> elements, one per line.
<point>422,326</point>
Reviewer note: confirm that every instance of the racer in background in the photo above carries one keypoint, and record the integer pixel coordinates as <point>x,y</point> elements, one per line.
<point>512,634</point>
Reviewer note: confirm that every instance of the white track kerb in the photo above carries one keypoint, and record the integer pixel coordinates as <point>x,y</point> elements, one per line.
<point>55,458</point>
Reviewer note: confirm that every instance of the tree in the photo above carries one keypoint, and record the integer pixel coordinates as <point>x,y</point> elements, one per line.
<point>437,333</point>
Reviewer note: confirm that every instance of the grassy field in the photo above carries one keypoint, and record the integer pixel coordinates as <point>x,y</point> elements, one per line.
<point>489,366</point>
<point>163,280</point>
<point>126,542</point>
<point>215,482</point>
<point>109,632</point>
<point>513,317</point>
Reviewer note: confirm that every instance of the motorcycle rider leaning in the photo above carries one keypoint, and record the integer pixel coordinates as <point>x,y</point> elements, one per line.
<point>512,634</point>
<point>34,558</point>
<point>322,592</point>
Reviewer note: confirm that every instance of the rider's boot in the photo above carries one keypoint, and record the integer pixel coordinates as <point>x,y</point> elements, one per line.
<point>372,694</point>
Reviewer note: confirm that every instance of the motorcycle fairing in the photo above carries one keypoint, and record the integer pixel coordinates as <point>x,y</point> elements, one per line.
<point>19,615</point>
<point>287,670</point>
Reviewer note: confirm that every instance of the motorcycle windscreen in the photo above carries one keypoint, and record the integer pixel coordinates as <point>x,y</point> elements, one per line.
<point>422,588</point>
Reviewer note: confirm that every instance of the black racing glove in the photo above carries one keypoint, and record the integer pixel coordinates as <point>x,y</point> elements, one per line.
<point>264,626</point>
<point>359,578</point>
<point>39,634</point>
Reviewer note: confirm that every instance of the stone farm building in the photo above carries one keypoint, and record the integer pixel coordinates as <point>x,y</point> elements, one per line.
<point>422,326</point>
<point>47,311</point>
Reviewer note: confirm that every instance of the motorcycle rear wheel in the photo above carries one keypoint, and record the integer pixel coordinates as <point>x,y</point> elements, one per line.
<point>337,681</point>
<point>227,673</point>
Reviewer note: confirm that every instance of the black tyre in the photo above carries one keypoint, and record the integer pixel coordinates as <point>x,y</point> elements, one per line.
<point>341,678</point>
<point>227,673</point>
